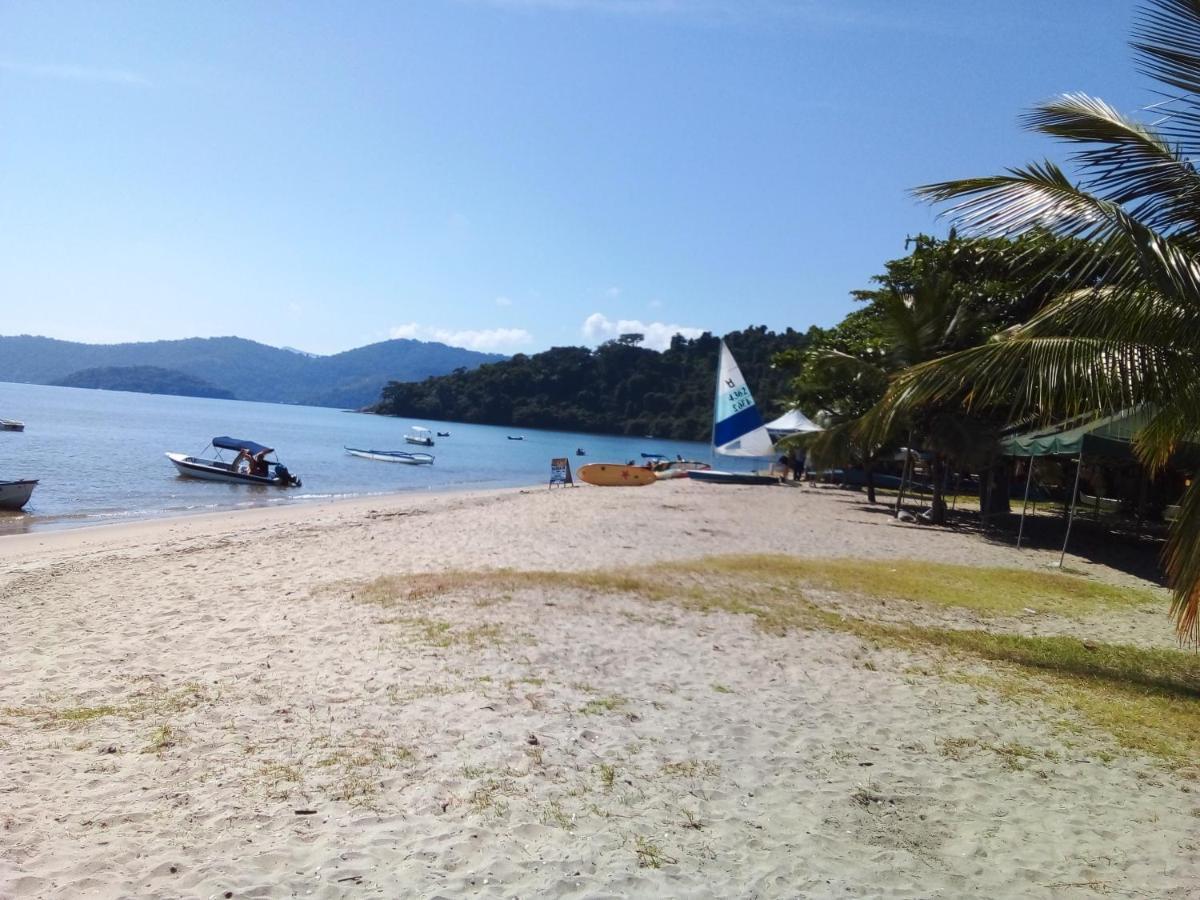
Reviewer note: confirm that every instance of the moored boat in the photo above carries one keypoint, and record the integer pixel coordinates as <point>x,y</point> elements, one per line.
<point>443,434</point>
<point>15,494</point>
<point>396,456</point>
<point>516,437</point>
<point>420,437</point>
<point>677,468</point>
<point>11,425</point>
<point>260,468</point>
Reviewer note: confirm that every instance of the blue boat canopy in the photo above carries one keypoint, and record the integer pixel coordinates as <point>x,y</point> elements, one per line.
<point>231,443</point>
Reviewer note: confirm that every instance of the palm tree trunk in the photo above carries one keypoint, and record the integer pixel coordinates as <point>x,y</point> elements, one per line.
<point>869,475</point>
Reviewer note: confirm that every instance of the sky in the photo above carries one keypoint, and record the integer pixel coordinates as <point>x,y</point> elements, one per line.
<point>503,175</point>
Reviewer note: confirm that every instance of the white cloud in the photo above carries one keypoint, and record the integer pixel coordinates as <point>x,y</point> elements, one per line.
<point>503,301</point>
<point>494,340</point>
<point>598,327</point>
<point>75,73</point>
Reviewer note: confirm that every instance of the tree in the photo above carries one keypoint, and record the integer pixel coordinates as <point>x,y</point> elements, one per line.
<point>1123,328</point>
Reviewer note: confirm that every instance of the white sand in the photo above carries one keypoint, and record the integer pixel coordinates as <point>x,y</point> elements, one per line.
<point>746,765</point>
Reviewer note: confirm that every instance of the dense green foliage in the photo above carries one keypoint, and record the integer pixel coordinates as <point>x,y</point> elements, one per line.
<point>618,388</point>
<point>945,296</point>
<point>1133,200</point>
<point>144,380</point>
<point>247,369</point>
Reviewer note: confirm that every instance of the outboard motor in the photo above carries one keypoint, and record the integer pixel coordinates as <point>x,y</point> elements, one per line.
<point>284,477</point>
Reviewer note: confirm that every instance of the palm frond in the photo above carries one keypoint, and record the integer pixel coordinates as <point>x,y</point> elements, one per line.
<point>1130,164</point>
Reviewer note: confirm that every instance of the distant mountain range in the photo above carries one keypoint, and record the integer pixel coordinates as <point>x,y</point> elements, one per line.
<point>247,370</point>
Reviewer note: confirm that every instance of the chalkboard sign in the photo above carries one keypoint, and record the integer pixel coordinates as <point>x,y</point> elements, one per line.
<point>560,471</point>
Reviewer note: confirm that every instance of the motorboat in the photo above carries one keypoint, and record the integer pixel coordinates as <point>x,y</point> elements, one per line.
<point>261,468</point>
<point>15,494</point>
<point>516,437</point>
<point>443,434</point>
<point>420,437</point>
<point>396,456</point>
<point>11,425</point>
<point>579,451</point>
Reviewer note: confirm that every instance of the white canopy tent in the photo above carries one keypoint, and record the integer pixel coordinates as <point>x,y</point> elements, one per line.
<point>791,422</point>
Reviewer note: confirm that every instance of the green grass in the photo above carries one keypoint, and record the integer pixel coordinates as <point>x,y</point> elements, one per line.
<point>598,705</point>
<point>992,590</point>
<point>1147,699</point>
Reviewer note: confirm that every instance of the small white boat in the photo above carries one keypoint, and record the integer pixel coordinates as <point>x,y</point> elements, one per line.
<point>396,456</point>
<point>15,494</point>
<point>420,437</point>
<point>270,471</point>
<point>677,468</point>
<point>11,425</point>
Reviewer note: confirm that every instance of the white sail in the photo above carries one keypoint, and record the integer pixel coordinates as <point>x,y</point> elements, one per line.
<point>737,425</point>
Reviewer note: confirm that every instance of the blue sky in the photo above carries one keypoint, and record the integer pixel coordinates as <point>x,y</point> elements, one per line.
<point>501,174</point>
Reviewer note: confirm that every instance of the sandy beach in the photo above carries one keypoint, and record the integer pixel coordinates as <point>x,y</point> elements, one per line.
<point>458,695</point>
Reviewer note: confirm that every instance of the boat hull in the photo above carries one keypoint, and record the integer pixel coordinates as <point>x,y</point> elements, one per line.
<point>419,441</point>
<point>11,425</point>
<point>395,456</point>
<point>15,494</point>
<point>215,470</point>
<point>679,469</point>
<point>610,475</point>
<point>713,476</point>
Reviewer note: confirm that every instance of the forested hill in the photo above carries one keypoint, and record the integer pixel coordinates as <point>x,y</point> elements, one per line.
<point>144,380</point>
<point>618,388</point>
<point>246,369</point>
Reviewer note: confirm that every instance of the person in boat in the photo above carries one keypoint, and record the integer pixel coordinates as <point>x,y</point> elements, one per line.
<point>258,463</point>
<point>244,456</point>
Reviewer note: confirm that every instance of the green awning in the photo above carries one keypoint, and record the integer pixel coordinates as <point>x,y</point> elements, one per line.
<point>1110,436</point>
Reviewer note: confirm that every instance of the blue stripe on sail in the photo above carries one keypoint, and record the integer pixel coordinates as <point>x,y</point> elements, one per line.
<point>735,426</point>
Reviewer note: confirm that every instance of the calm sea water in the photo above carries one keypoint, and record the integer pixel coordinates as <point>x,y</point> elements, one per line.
<point>99,454</point>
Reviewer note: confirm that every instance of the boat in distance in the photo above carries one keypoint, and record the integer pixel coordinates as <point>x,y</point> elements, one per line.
<point>396,456</point>
<point>260,469</point>
<point>443,434</point>
<point>516,437</point>
<point>15,494</point>
<point>11,425</point>
<point>420,437</point>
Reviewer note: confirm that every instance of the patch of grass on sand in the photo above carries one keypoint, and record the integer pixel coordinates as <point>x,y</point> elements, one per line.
<point>443,634</point>
<point>989,590</point>
<point>163,738</point>
<point>598,705</point>
<point>158,702</point>
<point>1148,699</point>
<point>649,854</point>
<point>690,768</point>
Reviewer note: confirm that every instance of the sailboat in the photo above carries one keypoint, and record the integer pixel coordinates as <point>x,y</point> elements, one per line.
<point>738,428</point>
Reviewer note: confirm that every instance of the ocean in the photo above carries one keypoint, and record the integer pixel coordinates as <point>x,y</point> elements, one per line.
<point>100,458</point>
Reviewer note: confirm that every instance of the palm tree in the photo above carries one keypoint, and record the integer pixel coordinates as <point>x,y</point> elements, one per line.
<point>1135,339</point>
<point>908,327</point>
